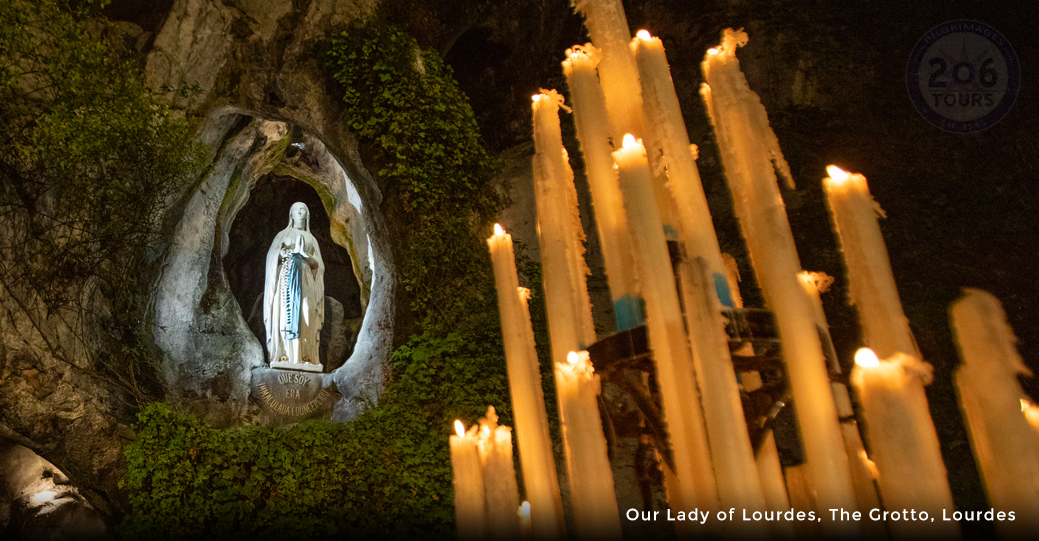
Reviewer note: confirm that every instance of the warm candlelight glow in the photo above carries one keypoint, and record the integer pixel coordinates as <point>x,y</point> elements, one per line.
<point>836,173</point>
<point>498,231</point>
<point>1031,412</point>
<point>644,35</point>
<point>629,140</point>
<point>584,443</point>
<point>870,465</point>
<point>712,50</point>
<point>459,429</point>
<point>536,97</point>
<point>865,358</point>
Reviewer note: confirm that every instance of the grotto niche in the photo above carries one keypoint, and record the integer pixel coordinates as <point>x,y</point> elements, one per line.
<point>262,217</point>
<point>208,303</point>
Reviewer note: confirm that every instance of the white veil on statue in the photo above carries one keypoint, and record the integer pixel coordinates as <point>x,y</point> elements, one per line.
<point>294,293</point>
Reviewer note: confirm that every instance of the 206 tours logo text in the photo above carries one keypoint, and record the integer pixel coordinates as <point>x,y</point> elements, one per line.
<point>963,76</point>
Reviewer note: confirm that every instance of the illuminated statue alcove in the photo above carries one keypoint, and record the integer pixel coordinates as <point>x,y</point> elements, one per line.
<point>262,217</point>
<point>208,302</point>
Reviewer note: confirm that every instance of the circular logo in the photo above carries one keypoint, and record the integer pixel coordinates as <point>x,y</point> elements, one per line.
<point>963,76</point>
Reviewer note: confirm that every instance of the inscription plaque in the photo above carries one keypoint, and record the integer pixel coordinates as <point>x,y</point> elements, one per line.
<point>288,396</point>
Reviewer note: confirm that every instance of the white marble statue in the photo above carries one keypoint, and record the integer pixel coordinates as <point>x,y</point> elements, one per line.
<point>294,295</point>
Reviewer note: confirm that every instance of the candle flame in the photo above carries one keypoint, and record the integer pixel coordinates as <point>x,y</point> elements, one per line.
<point>865,358</point>
<point>498,231</point>
<point>629,140</point>
<point>644,35</point>
<point>572,357</point>
<point>870,465</point>
<point>712,50</point>
<point>836,173</point>
<point>536,97</point>
<point>459,429</point>
<point>524,510</point>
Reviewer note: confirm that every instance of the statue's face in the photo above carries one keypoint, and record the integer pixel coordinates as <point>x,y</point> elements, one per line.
<point>299,217</point>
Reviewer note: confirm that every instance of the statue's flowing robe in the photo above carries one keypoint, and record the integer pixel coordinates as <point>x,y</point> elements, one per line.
<point>294,296</point>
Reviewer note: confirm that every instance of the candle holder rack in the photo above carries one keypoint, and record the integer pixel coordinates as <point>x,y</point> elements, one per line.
<point>624,360</point>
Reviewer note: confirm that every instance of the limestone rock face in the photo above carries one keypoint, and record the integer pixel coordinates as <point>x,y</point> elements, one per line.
<point>210,351</point>
<point>254,62</point>
<point>36,501</point>
<point>259,80</point>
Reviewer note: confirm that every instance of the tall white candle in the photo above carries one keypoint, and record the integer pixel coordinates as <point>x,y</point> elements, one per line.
<point>815,283</point>
<point>871,284</point>
<point>467,476</point>
<point>591,479</point>
<point>667,337</point>
<point>528,401</point>
<point>595,132</point>
<point>666,126</point>
<point>608,27</point>
<point>732,456</point>
<point>501,495</point>
<point>1005,444</point>
<point>751,155</point>
<point>560,235</point>
<point>872,290</point>
<point>896,428</point>
<point>703,277</point>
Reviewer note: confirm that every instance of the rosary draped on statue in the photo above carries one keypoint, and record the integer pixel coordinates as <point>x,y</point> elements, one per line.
<point>294,293</point>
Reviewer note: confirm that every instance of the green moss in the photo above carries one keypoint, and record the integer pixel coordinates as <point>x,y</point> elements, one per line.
<point>314,480</point>
<point>387,473</point>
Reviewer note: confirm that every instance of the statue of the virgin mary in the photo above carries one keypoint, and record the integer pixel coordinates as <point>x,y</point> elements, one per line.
<point>294,295</point>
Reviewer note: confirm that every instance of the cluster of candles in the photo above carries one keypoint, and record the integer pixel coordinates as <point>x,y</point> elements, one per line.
<point>646,192</point>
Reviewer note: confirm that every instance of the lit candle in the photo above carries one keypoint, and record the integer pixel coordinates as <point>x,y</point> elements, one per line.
<point>702,274</point>
<point>815,283</point>
<point>560,235</point>
<point>1004,442</point>
<point>667,337</point>
<point>872,290</point>
<point>871,284</point>
<point>1031,413</point>
<point>608,28</point>
<point>594,131</point>
<point>501,495</point>
<point>591,479</point>
<point>528,401</point>
<point>524,516</point>
<point>666,126</point>
<point>467,476</point>
<point>751,155</point>
<point>897,427</point>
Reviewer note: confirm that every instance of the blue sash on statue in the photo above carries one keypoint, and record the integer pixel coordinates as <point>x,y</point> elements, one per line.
<point>293,296</point>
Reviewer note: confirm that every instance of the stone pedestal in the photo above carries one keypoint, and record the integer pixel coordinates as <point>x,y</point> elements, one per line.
<point>287,396</point>
<point>305,367</point>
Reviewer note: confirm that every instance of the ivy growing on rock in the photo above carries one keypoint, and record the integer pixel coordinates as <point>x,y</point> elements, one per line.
<point>405,103</point>
<point>387,473</point>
